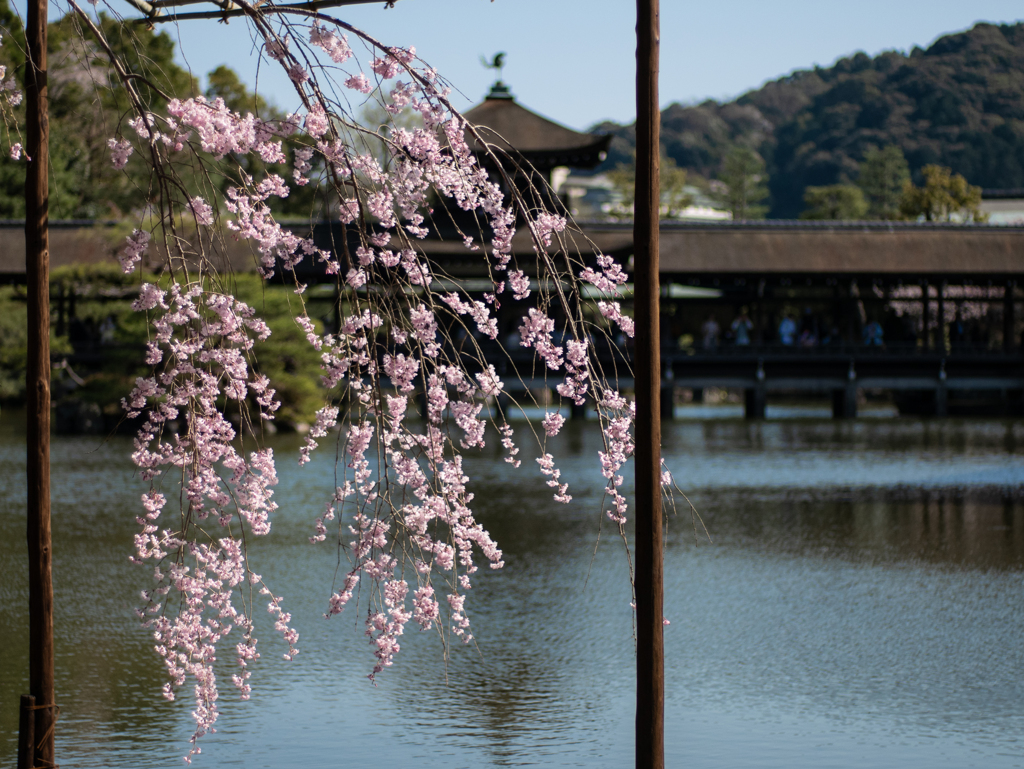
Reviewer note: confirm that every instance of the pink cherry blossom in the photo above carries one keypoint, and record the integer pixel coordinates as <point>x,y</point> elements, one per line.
<point>120,151</point>
<point>407,383</point>
<point>138,242</point>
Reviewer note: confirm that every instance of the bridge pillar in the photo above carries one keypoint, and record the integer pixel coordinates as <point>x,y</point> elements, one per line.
<point>1015,403</point>
<point>940,330</point>
<point>844,402</point>
<point>754,401</point>
<point>668,410</point>
<point>668,399</point>
<point>577,413</point>
<point>926,314</point>
<point>502,402</point>
<point>1009,343</point>
<point>942,393</point>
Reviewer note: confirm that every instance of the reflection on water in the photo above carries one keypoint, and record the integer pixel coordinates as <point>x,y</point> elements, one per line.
<point>861,603</point>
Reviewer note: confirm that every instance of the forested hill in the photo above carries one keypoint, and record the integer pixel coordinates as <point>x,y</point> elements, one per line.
<point>960,103</point>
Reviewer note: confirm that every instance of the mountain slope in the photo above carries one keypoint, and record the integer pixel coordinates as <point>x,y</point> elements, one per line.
<point>960,103</point>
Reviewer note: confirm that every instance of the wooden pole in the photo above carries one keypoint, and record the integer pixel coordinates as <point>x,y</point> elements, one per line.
<point>926,312</point>
<point>37,268</point>
<point>650,655</point>
<point>1008,320</point>
<point>27,732</point>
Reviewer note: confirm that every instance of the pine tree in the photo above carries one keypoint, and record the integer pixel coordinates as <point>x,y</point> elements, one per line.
<point>883,175</point>
<point>743,173</point>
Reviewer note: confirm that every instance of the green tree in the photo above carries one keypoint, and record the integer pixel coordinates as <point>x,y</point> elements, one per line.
<point>147,54</point>
<point>674,196</point>
<point>746,184</point>
<point>86,106</point>
<point>623,178</point>
<point>944,197</point>
<point>883,174</point>
<point>834,202</point>
<point>224,83</point>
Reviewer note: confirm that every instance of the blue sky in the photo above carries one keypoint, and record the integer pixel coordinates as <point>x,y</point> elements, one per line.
<point>573,60</point>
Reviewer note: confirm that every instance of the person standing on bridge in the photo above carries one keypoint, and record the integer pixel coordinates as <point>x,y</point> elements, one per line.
<point>741,328</point>
<point>787,330</point>
<point>873,334</point>
<point>710,332</point>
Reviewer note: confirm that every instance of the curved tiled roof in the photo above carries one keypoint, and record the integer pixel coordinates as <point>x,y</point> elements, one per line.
<point>502,122</point>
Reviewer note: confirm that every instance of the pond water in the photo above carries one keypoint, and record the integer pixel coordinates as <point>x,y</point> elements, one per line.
<point>860,603</point>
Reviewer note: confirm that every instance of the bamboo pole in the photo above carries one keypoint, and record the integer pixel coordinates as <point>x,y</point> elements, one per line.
<point>650,684</point>
<point>37,268</point>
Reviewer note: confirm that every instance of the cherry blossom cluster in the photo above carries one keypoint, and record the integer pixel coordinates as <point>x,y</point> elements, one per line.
<point>436,528</point>
<point>608,277</point>
<point>201,342</point>
<point>10,97</point>
<point>408,389</point>
<point>619,447</point>
<point>613,311</point>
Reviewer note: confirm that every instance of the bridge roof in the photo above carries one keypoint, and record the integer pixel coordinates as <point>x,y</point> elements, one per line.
<point>872,248</point>
<point>738,248</point>
<point>87,242</point>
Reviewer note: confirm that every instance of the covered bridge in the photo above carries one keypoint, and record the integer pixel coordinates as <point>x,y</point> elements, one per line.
<point>930,311</point>
<point>933,311</point>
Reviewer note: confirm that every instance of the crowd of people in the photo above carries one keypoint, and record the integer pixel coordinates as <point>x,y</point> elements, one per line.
<point>889,331</point>
<point>806,331</point>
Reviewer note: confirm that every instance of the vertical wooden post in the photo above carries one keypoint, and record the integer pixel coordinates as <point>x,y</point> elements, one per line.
<point>926,313</point>
<point>1009,323</point>
<point>37,268</point>
<point>852,315</point>
<point>940,312</point>
<point>27,732</point>
<point>650,684</point>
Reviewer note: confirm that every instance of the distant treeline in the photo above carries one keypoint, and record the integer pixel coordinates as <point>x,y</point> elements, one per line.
<point>958,104</point>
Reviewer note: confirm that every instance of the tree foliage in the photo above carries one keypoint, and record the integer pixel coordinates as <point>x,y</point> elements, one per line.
<point>88,106</point>
<point>834,202</point>
<point>407,369</point>
<point>960,104</point>
<point>746,188</point>
<point>674,196</point>
<point>883,175</point>
<point>943,197</point>
<point>86,109</point>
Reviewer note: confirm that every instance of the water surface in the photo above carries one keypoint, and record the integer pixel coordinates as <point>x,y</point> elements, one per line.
<point>860,603</point>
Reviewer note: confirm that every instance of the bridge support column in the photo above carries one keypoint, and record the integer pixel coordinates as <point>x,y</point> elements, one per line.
<point>502,402</point>
<point>844,402</point>
<point>941,400</point>
<point>1009,343</point>
<point>1015,403</point>
<point>942,393</point>
<point>754,401</point>
<point>577,413</point>
<point>926,314</point>
<point>940,311</point>
<point>668,398</point>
